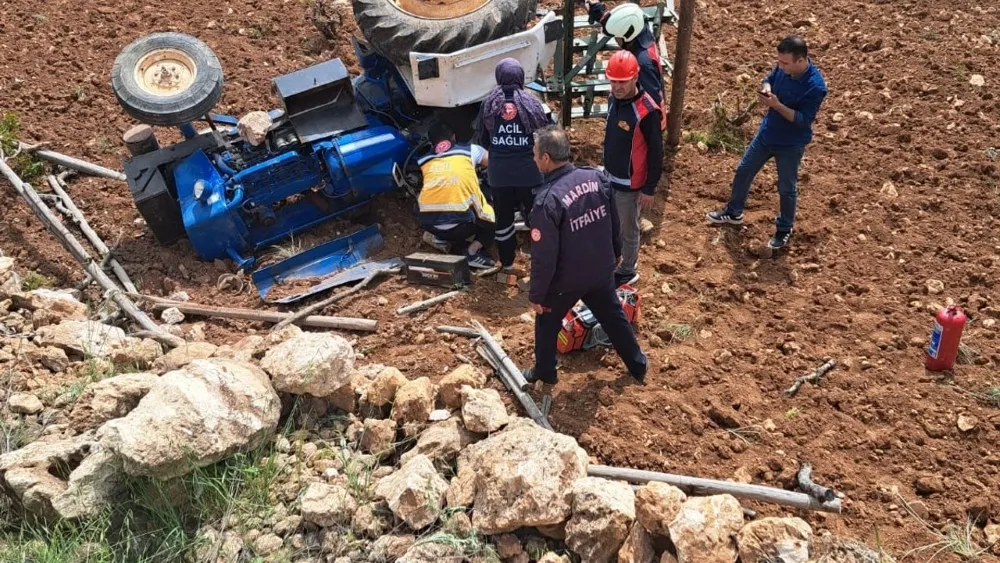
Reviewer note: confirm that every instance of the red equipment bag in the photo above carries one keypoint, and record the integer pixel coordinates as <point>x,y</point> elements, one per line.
<point>580,329</point>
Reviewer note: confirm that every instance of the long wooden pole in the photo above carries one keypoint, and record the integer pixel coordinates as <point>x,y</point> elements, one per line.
<point>681,56</point>
<point>73,246</point>
<point>91,235</point>
<point>315,307</point>
<point>699,486</point>
<point>421,305</point>
<point>338,323</point>
<point>569,13</point>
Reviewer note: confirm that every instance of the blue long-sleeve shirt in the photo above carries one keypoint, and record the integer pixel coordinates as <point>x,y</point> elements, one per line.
<point>803,94</point>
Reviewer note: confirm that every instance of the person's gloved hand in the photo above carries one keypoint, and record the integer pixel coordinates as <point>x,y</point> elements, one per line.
<point>596,11</point>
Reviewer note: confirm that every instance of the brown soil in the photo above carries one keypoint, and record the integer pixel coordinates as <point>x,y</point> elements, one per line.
<point>853,287</point>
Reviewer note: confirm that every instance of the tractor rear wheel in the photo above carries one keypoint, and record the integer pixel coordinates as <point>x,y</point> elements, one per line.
<point>167,79</point>
<point>396,27</point>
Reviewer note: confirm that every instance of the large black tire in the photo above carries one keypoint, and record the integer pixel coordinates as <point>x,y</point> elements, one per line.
<point>394,32</point>
<point>191,98</point>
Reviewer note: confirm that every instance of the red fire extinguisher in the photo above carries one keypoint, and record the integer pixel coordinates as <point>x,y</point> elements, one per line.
<point>945,337</point>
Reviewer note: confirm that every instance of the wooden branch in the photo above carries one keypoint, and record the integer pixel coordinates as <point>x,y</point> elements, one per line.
<point>320,305</point>
<point>698,486</point>
<point>804,480</point>
<point>682,53</point>
<point>73,246</point>
<point>90,279</point>
<point>526,401</point>
<point>339,323</point>
<point>421,305</point>
<point>92,236</point>
<point>75,163</point>
<point>813,378</point>
<point>566,100</point>
<point>150,335</point>
<point>459,330</point>
<point>505,362</point>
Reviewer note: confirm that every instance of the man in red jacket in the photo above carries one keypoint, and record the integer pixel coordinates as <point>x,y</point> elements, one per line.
<point>633,154</point>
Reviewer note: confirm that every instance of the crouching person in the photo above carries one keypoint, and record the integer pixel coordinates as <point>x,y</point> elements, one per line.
<point>451,207</point>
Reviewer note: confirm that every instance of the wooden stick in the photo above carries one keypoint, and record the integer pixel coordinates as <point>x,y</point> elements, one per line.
<point>814,378</point>
<point>459,330</point>
<point>318,306</point>
<point>71,244</point>
<point>804,480</point>
<point>682,53</point>
<point>90,279</point>
<point>77,164</point>
<point>699,486</point>
<point>421,305</point>
<point>567,63</point>
<point>505,362</point>
<point>339,323</point>
<point>526,401</point>
<point>150,335</point>
<point>91,235</point>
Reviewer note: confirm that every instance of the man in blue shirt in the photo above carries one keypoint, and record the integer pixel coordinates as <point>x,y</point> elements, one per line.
<point>793,93</point>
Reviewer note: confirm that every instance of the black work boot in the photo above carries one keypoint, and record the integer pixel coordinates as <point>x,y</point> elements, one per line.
<point>640,375</point>
<point>530,377</point>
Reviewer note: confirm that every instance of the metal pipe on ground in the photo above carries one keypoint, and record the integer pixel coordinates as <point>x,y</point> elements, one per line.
<point>459,330</point>
<point>78,165</point>
<point>505,361</point>
<point>526,401</point>
<point>699,486</point>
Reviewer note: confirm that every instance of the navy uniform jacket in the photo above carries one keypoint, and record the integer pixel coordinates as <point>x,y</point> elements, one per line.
<point>645,51</point>
<point>633,144</point>
<point>575,235</point>
<point>650,71</point>
<point>511,146</point>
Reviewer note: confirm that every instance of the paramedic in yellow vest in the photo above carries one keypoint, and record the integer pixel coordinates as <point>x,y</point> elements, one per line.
<point>451,207</point>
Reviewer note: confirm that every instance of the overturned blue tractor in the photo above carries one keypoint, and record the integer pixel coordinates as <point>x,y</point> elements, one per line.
<point>238,186</point>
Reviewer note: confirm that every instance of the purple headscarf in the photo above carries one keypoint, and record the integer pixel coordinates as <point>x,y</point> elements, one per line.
<point>510,80</point>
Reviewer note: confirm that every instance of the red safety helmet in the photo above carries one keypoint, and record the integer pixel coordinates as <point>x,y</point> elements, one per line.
<point>622,66</point>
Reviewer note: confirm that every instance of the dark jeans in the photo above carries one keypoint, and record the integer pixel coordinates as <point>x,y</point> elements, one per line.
<point>787,160</point>
<point>506,202</point>
<point>607,308</point>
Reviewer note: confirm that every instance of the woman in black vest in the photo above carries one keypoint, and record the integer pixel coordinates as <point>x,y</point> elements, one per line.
<point>509,118</point>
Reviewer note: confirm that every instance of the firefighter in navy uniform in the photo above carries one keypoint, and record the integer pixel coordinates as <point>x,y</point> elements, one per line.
<point>509,117</point>
<point>576,245</point>
<point>633,154</point>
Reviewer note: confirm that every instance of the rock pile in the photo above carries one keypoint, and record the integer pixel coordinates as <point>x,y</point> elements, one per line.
<point>380,468</point>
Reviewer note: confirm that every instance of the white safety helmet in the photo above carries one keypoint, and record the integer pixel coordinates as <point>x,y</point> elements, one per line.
<point>626,21</point>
